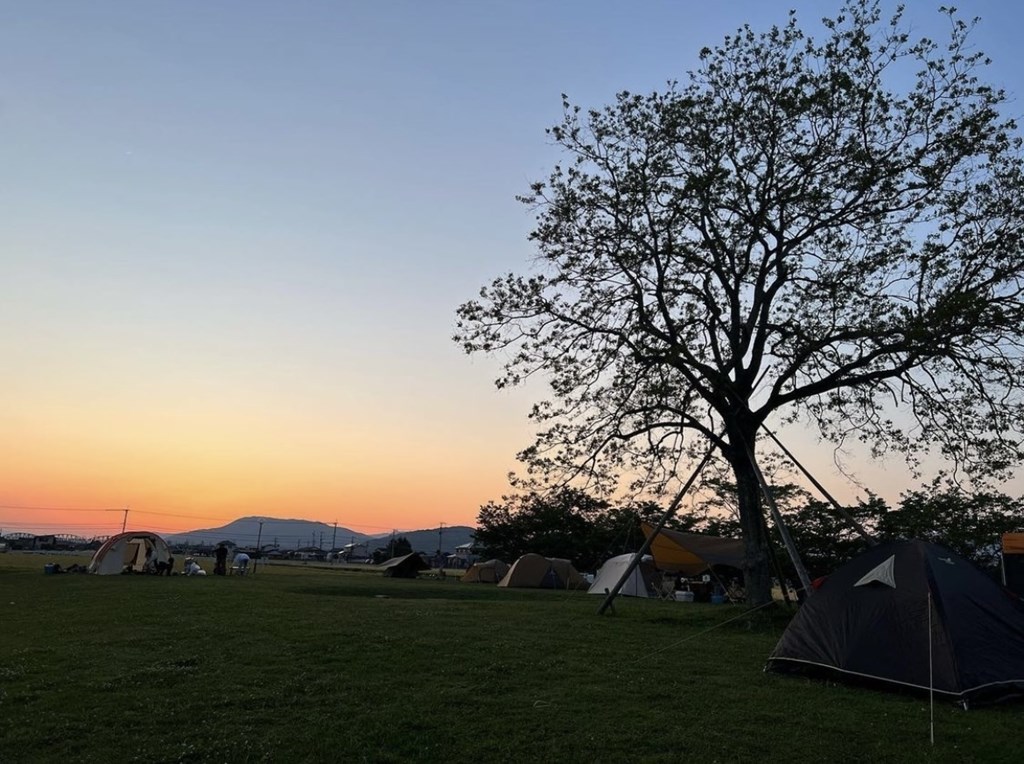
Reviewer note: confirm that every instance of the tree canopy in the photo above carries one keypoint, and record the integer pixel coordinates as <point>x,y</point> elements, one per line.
<point>566,523</point>
<point>571,524</point>
<point>792,234</point>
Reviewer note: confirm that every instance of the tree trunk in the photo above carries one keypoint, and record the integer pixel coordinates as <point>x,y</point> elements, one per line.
<point>757,570</point>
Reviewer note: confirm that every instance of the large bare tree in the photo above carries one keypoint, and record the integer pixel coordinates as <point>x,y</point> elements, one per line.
<point>822,232</point>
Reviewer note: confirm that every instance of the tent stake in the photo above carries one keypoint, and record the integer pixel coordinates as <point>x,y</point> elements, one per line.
<point>650,538</point>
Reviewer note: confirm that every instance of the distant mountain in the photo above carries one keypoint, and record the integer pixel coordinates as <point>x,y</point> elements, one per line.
<point>292,534</point>
<point>427,540</point>
<point>287,534</point>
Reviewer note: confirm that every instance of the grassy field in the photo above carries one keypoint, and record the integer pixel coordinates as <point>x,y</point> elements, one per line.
<point>304,664</point>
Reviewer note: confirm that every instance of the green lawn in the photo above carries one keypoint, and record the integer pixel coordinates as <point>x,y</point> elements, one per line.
<point>307,664</point>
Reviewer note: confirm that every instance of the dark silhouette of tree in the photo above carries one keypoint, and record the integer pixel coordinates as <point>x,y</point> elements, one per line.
<point>397,547</point>
<point>825,539</point>
<point>565,523</point>
<point>784,237</point>
<point>970,524</point>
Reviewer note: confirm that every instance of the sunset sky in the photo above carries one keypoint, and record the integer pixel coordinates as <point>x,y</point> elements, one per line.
<point>235,234</point>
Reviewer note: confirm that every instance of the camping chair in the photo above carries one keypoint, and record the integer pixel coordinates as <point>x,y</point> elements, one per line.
<point>668,589</point>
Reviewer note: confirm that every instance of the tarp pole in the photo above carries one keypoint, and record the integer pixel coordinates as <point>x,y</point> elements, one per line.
<point>650,538</point>
<point>784,588</point>
<point>787,540</point>
<point>720,582</point>
<point>835,504</point>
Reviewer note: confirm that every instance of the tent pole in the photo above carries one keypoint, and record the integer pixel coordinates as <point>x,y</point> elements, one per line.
<point>931,681</point>
<point>650,539</point>
<point>831,499</point>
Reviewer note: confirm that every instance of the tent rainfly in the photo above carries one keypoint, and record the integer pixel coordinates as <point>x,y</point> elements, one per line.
<point>406,566</point>
<point>642,582</point>
<point>488,572</point>
<point>534,571</point>
<point>127,552</point>
<point>692,553</point>
<point>912,615</point>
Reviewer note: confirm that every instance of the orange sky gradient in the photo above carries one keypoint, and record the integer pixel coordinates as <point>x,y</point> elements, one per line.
<point>230,278</point>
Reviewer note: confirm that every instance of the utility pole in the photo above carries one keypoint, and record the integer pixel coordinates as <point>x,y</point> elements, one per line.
<point>259,535</point>
<point>124,523</point>
<point>440,545</point>
<point>334,538</point>
<point>321,547</point>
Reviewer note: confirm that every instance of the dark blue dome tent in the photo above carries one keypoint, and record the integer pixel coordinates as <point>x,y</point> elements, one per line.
<point>911,615</point>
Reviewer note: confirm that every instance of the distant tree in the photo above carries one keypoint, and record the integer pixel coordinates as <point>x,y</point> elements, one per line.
<point>825,538</point>
<point>396,547</point>
<point>788,237</point>
<point>566,523</point>
<point>970,524</point>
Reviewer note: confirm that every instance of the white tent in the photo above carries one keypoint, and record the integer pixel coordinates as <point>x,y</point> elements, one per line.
<point>128,552</point>
<point>639,584</point>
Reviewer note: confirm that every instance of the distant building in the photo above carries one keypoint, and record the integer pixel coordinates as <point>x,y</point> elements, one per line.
<point>355,552</point>
<point>464,556</point>
<point>309,553</point>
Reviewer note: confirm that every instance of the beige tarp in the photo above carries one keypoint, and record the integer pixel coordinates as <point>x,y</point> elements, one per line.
<point>693,553</point>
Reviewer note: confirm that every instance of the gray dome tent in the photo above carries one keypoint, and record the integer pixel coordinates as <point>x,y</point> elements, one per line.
<point>911,614</point>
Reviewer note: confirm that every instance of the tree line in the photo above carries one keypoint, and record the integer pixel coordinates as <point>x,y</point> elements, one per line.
<point>571,524</point>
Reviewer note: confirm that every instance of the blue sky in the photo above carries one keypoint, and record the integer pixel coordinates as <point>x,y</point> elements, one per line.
<point>235,234</point>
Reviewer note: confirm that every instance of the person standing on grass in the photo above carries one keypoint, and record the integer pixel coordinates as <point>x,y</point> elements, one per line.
<point>220,566</point>
<point>166,567</point>
<point>242,563</point>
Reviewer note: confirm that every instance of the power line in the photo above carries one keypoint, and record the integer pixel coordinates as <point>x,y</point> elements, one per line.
<point>64,509</point>
<point>191,517</point>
